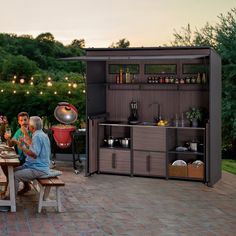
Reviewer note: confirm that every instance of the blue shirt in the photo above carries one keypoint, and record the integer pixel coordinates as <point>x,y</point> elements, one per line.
<point>40,146</point>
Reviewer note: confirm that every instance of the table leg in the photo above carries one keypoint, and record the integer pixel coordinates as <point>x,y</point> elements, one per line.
<point>12,188</point>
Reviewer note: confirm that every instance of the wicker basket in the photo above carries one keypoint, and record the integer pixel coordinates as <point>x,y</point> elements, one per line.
<point>178,171</point>
<point>196,172</point>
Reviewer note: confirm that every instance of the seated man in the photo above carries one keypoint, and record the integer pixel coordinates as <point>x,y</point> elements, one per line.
<point>37,154</point>
<point>22,132</point>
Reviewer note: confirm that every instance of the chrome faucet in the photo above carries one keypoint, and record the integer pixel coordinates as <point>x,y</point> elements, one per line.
<point>158,117</point>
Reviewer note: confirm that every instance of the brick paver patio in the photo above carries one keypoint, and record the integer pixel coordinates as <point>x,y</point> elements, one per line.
<point>121,205</point>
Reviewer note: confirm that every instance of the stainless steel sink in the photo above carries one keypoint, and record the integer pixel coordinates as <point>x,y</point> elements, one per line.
<point>148,123</point>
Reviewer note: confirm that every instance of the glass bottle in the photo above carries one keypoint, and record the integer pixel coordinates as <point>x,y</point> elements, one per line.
<point>127,76</point>
<point>121,76</point>
<point>204,78</point>
<point>198,78</point>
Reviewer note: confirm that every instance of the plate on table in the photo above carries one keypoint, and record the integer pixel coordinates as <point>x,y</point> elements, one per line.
<point>8,155</point>
<point>4,147</point>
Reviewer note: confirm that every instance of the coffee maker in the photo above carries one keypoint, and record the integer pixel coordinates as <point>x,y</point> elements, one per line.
<point>133,118</point>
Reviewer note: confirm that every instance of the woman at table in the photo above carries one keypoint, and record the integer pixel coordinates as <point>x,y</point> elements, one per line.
<point>37,160</point>
<point>22,132</point>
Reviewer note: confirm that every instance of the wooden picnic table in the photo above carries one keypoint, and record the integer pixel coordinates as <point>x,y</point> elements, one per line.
<point>10,163</point>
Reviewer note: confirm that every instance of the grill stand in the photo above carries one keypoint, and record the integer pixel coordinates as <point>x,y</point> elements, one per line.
<point>75,135</point>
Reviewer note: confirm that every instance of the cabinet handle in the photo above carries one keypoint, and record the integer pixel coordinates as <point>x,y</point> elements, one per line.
<point>113,164</point>
<point>148,163</point>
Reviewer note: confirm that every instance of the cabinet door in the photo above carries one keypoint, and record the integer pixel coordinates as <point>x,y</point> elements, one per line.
<point>114,161</point>
<point>149,138</point>
<point>149,163</point>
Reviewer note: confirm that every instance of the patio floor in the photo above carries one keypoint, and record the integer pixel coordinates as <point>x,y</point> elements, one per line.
<point>121,205</point>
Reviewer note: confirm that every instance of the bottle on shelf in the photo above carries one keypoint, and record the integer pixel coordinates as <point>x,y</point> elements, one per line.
<point>121,76</point>
<point>117,79</point>
<point>127,76</point>
<point>176,122</point>
<point>198,78</point>
<point>182,122</point>
<point>204,81</point>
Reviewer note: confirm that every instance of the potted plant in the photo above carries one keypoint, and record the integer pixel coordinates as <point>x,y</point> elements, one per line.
<point>194,115</point>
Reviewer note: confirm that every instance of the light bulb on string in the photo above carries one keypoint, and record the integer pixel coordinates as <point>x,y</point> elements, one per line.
<point>2,90</point>
<point>31,83</point>
<point>74,85</point>
<point>69,84</point>
<point>66,78</point>
<point>22,81</point>
<point>49,84</point>
<point>14,91</point>
<point>13,81</point>
<point>27,92</point>
<point>55,92</point>
<point>84,91</point>
<point>69,92</point>
<point>14,77</point>
<point>41,93</point>
<point>32,78</point>
<point>49,79</point>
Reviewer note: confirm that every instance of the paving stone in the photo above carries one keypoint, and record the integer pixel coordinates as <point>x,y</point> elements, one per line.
<point>103,205</point>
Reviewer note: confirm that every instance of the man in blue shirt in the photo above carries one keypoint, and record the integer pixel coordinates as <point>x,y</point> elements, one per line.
<point>38,153</point>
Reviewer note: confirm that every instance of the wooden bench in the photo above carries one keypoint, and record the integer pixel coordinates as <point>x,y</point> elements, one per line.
<point>45,186</point>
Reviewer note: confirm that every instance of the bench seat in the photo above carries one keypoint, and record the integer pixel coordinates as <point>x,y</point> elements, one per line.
<point>45,186</point>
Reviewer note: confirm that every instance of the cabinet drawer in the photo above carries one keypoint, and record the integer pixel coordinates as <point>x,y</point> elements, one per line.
<point>149,138</point>
<point>149,163</point>
<point>114,161</point>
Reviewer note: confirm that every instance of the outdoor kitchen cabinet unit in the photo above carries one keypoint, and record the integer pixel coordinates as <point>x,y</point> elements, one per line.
<point>161,82</point>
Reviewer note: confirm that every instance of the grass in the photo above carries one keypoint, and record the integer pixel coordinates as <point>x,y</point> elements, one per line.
<point>229,165</point>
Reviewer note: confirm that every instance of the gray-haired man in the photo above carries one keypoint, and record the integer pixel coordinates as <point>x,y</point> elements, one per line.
<point>37,154</point>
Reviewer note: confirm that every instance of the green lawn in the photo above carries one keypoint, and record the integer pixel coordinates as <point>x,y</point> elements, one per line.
<point>229,165</point>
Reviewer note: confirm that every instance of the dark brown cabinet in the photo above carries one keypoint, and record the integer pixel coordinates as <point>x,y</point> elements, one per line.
<point>149,138</point>
<point>164,81</point>
<point>114,161</point>
<point>149,163</point>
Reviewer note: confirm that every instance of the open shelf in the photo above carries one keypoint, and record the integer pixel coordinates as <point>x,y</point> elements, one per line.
<point>186,153</point>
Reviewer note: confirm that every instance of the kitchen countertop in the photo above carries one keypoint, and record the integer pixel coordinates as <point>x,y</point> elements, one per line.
<point>144,124</point>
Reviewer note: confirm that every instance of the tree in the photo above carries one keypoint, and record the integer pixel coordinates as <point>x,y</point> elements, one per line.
<point>222,37</point>
<point>77,43</point>
<point>122,43</point>
<point>20,66</point>
<point>45,37</point>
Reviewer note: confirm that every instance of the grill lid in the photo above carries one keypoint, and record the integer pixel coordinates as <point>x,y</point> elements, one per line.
<point>65,113</point>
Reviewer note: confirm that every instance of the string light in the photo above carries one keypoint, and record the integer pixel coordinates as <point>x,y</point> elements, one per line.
<point>49,84</point>
<point>84,91</point>
<point>22,80</point>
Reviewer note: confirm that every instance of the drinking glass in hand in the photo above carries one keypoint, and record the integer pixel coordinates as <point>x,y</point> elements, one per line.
<point>8,132</point>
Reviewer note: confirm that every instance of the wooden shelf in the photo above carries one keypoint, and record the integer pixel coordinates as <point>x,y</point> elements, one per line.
<point>147,86</point>
<point>186,153</point>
